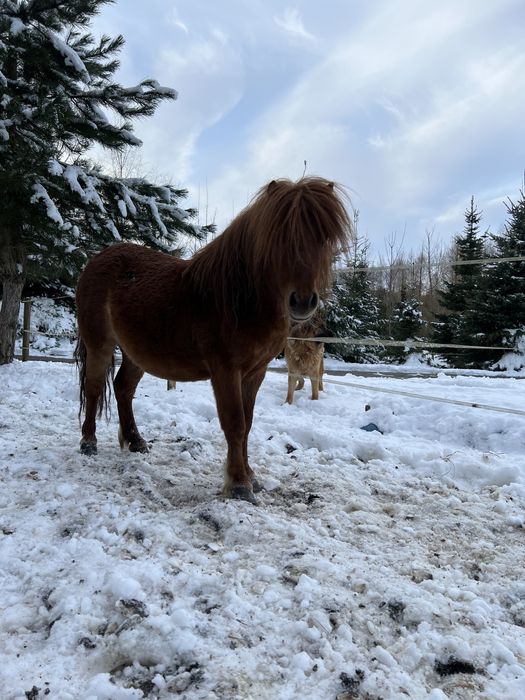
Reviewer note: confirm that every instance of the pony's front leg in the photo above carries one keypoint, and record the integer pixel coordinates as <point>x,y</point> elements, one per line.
<point>292,385</point>
<point>228,396</point>
<point>250,387</point>
<point>314,381</point>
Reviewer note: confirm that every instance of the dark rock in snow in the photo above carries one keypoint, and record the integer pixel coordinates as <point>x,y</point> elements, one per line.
<point>452,666</point>
<point>370,427</point>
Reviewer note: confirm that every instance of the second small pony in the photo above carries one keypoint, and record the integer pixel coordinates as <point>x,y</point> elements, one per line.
<point>305,358</point>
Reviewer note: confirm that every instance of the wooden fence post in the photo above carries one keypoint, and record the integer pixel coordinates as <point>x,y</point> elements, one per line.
<point>26,332</point>
<point>171,384</point>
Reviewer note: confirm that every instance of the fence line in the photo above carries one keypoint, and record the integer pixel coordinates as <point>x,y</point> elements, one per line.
<point>377,342</point>
<point>414,265</point>
<point>413,395</point>
<point>371,342</point>
<point>398,343</point>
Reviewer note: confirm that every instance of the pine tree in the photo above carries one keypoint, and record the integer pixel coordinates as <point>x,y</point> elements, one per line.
<point>499,315</point>
<point>57,208</point>
<point>406,324</point>
<point>353,309</point>
<point>460,296</point>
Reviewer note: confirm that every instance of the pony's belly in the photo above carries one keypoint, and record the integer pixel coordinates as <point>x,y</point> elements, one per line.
<point>177,371</point>
<point>180,374</point>
<point>177,365</point>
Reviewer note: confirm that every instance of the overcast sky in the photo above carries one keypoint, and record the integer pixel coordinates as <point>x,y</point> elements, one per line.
<point>412,105</point>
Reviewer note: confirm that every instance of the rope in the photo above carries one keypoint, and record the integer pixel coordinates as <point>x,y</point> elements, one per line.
<point>412,395</point>
<point>412,266</point>
<point>398,343</point>
<point>346,341</point>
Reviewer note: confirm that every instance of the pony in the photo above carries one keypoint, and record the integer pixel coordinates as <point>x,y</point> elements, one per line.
<point>305,359</point>
<point>221,315</point>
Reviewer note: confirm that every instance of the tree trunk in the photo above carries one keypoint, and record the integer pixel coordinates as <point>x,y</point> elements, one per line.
<point>12,275</point>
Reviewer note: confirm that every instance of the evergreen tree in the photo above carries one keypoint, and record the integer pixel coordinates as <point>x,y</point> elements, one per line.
<point>56,94</point>
<point>406,324</point>
<point>499,315</point>
<point>353,309</point>
<point>460,296</point>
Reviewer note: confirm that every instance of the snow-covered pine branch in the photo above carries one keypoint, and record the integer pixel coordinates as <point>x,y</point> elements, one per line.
<point>58,99</point>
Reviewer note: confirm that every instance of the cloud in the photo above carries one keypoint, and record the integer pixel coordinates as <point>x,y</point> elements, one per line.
<point>413,106</point>
<point>292,23</point>
<point>209,76</point>
<point>181,25</point>
<point>490,202</point>
<point>406,108</point>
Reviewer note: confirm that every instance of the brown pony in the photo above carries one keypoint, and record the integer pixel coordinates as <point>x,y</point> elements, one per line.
<point>305,359</point>
<point>222,315</point>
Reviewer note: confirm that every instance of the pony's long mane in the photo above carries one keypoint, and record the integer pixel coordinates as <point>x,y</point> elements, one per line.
<point>286,224</point>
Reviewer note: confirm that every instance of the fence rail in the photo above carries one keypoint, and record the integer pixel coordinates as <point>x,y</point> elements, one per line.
<point>398,343</point>
<point>414,265</point>
<point>349,340</point>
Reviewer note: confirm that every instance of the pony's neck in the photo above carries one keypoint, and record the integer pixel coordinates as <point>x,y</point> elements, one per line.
<point>223,277</point>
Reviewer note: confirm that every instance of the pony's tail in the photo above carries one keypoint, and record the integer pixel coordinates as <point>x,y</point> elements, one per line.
<point>103,404</point>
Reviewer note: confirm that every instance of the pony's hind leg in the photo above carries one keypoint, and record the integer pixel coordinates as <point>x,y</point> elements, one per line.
<point>128,376</point>
<point>97,366</point>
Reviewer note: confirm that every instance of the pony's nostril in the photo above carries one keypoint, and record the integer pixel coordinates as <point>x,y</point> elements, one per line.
<point>303,306</point>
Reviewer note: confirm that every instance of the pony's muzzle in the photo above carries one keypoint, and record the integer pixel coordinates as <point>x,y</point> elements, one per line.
<point>301,308</point>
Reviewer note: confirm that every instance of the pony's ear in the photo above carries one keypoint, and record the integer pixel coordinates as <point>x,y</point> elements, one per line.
<point>331,185</point>
<point>272,186</point>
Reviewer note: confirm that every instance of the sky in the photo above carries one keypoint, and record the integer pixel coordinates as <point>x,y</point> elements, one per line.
<point>412,106</point>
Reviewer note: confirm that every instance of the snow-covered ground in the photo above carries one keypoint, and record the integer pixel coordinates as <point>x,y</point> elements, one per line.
<point>376,566</point>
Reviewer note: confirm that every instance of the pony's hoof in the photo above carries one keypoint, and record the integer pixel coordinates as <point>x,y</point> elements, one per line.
<point>139,447</point>
<point>243,493</point>
<point>88,448</point>
<point>135,444</point>
<point>257,486</point>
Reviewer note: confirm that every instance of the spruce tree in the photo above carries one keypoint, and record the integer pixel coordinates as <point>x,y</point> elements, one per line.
<point>460,296</point>
<point>499,315</point>
<point>406,324</point>
<point>58,98</point>
<point>353,309</point>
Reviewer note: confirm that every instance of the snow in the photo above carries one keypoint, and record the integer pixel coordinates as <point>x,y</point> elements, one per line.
<point>122,208</point>
<point>52,211</point>
<point>55,168</point>
<point>53,329</point>
<point>128,202</point>
<point>377,565</point>
<point>17,26</point>
<point>88,192</point>
<point>114,231</point>
<point>155,85</point>
<point>130,137</point>
<point>514,360</point>
<point>71,57</point>
<point>4,123</point>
